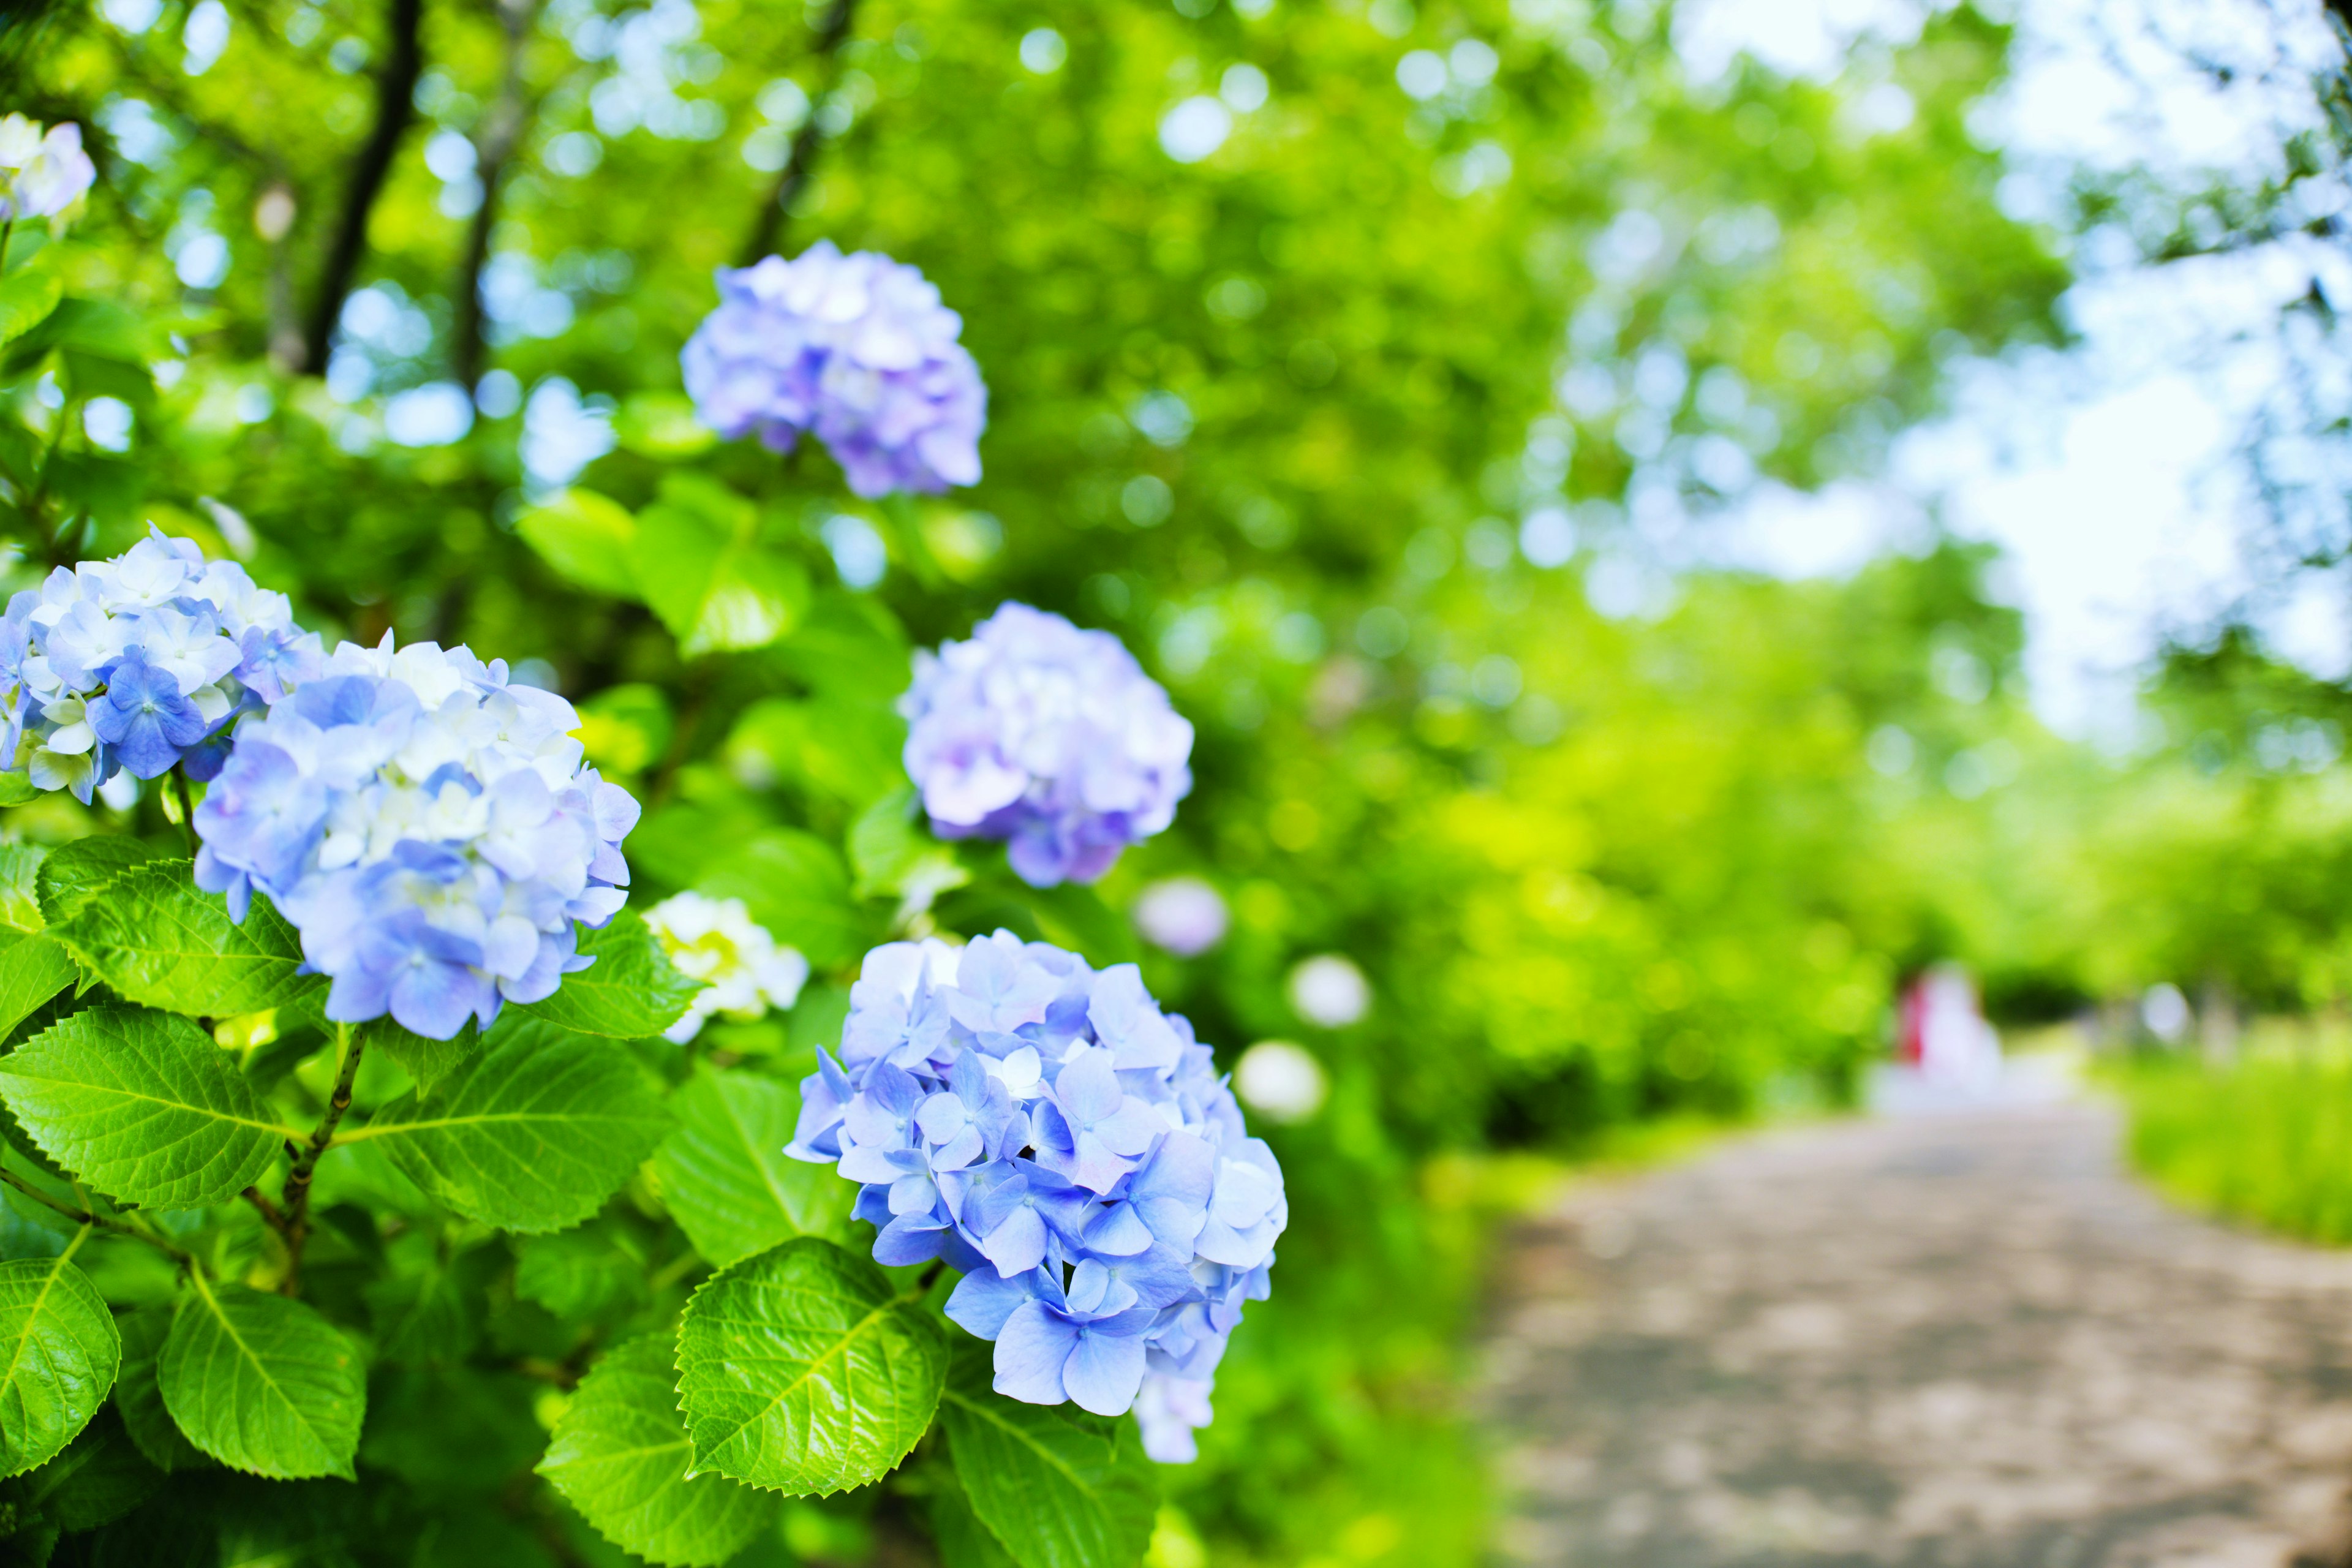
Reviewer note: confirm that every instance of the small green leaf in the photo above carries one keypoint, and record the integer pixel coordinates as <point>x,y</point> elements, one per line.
<point>727,1179</point>
<point>586,537</point>
<point>16,789</point>
<point>428,1061</point>
<point>58,1353</point>
<point>142,1106</point>
<point>139,1400</point>
<point>895,858</point>
<point>795,884</point>
<point>70,873</point>
<point>633,992</point>
<point>662,425</point>
<point>26,298</point>
<point>32,970</point>
<point>532,1134</point>
<point>699,562</point>
<point>262,1384</point>
<point>157,939</point>
<point>800,1370</point>
<point>1058,1488</point>
<point>583,1272</point>
<point>620,1456</point>
<point>20,897</point>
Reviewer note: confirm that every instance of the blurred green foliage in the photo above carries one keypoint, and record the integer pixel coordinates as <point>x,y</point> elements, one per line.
<point>2259,1140</point>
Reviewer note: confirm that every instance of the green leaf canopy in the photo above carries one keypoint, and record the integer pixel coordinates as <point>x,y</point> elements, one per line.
<point>532,1134</point>
<point>802,1371</point>
<point>620,1455</point>
<point>263,1383</point>
<point>142,1106</point>
<point>61,1353</point>
<point>725,1177</point>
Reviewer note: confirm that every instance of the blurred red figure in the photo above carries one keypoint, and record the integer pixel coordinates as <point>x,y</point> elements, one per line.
<point>1941,1029</point>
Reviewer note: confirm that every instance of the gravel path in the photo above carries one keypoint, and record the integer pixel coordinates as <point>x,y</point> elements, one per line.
<point>1956,1340</point>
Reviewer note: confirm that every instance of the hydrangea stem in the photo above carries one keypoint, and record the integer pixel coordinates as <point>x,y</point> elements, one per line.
<point>295,1206</point>
<point>89,1220</point>
<point>188,808</point>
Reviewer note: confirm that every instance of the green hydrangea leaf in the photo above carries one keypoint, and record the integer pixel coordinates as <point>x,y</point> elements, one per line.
<point>142,1106</point>
<point>802,1370</point>
<point>20,897</point>
<point>532,1134</point>
<point>33,969</point>
<point>70,873</point>
<point>262,1384</point>
<point>426,1061</point>
<point>620,1455</point>
<point>727,1179</point>
<point>61,1353</point>
<point>26,298</point>
<point>633,992</point>
<point>157,939</point>
<point>1057,1488</point>
<point>138,1399</point>
<point>586,537</point>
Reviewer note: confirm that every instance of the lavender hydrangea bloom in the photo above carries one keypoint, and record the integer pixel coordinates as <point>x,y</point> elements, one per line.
<point>430,829</point>
<point>1043,1127</point>
<point>857,349</point>
<point>1049,737</point>
<point>141,662</point>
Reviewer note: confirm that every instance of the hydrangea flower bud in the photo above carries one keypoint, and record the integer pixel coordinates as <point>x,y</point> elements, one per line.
<point>141,662</point>
<point>856,348</point>
<point>1050,737</point>
<point>716,941</point>
<point>1042,1126</point>
<point>46,175</point>
<point>431,830</point>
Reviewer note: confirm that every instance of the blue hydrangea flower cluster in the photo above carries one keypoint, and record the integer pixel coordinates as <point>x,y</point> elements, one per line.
<point>431,829</point>
<point>1043,1127</point>
<point>139,663</point>
<point>1050,737</point>
<point>856,348</point>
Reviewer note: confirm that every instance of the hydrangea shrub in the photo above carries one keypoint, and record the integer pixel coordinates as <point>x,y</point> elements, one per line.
<point>291,1114</point>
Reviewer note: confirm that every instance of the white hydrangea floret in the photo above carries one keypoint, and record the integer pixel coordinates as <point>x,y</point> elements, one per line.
<point>745,971</point>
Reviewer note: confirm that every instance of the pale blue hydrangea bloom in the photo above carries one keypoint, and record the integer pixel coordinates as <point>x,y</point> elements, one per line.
<point>141,662</point>
<point>1050,737</point>
<point>857,349</point>
<point>41,175</point>
<point>431,830</point>
<point>1043,1127</point>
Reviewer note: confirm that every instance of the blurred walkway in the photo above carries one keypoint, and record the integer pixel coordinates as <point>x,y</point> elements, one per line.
<point>1951,1340</point>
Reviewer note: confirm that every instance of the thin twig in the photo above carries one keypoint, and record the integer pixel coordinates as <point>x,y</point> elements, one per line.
<point>85,1218</point>
<point>296,1203</point>
<point>494,147</point>
<point>271,1213</point>
<point>768,227</point>
<point>396,106</point>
